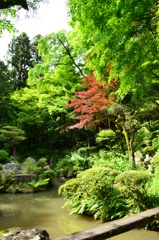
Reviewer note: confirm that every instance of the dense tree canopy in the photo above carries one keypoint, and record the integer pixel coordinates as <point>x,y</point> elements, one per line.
<point>123,33</point>
<point>90,104</point>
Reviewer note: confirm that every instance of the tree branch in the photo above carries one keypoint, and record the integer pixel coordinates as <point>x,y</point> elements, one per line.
<point>155,75</point>
<point>9,3</point>
<point>70,55</point>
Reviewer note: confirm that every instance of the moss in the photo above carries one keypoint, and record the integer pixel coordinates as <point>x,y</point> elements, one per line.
<point>2,232</point>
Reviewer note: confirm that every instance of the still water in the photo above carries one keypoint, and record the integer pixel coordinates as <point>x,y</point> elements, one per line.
<point>44,210</point>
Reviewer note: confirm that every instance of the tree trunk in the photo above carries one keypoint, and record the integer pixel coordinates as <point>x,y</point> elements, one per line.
<point>129,143</point>
<point>121,143</point>
<point>9,3</point>
<point>14,155</point>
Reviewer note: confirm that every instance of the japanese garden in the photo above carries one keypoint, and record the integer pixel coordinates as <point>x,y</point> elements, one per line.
<point>81,107</point>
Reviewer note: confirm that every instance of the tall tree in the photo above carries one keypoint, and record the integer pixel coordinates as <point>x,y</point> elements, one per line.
<point>5,91</point>
<point>124,33</point>
<point>40,108</point>
<point>34,50</point>
<point>20,60</point>
<point>90,104</point>
<point>13,136</point>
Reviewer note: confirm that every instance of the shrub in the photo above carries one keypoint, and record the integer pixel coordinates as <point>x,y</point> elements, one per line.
<point>38,171</point>
<point>4,156</point>
<point>40,185</point>
<point>133,186</point>
<point>105,135</point>
<point>9,178</point>
<point>119,161</point>
<point>155,160</point>
<point>92,193</point>
<point>1,166</point>
<point>154,187</point>
<point>148,149</point>
<point>29,166</point>
<point>48,174</point>
<point>42,162</point>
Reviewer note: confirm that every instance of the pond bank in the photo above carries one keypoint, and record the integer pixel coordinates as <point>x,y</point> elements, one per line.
<point>44,210</point>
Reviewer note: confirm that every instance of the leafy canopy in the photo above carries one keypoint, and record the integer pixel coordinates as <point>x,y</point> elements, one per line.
<point>89,104</point>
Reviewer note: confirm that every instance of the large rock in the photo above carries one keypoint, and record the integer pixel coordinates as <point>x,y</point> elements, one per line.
<point>25,234</point>
<point>11,167</point>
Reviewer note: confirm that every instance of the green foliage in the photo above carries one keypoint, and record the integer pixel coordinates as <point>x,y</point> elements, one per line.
<point>74,163</point>
<point>153,190</point>
<point>41,162</point>
<point>1,166</point>
<point>92,193</point>
<point>155,160</point>
<point>13,136</point>
<point>132,185</point>
<point>105,136</point>
<point>41,184</point>
<point>117,160</point>
<point>29,166</point>
<point>154,186</point>
<point>38,171</point>
<point>47,174</point>
<point>9,11</point>
<point>141,137</point>
<point>148,149</point>
<point>112,33</point>
<point>155,142</point>
<point>4,156</point>
<point>19,59</point>
<point>8,178</point>
<point>69,187</point>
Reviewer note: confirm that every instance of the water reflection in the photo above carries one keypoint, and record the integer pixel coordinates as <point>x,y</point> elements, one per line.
<point>44,210</point>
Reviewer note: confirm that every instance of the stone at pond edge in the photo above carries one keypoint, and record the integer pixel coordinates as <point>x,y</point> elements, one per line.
<point>25,234</point>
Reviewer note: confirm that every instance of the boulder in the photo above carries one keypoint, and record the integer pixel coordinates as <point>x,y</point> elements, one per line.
<point>25,234</point>
<point>11,167</point>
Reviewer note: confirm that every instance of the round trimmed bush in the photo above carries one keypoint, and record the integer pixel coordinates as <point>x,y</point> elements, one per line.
<point>4,156</point>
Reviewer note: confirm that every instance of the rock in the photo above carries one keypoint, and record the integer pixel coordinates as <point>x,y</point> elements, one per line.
<point>11,167</point>
<point>139,158</point>
<point>62,179</point>
<point>47,167</point>
<point>25,234</point>
<point>10,189</point>
<point>24,177</point>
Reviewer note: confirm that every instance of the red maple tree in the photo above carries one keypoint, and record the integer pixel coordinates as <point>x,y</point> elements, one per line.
<point>89,104</point>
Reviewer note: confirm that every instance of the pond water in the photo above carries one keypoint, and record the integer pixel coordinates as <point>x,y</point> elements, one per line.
<point>44,210</point>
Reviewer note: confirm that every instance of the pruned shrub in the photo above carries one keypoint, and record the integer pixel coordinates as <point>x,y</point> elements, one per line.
<point>4,156</point>
<point>93,193</point>
<point>48,174</point>
<point>133,186</point>
<point>41,162</point>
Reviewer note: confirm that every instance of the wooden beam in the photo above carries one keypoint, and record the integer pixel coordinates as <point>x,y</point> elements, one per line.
<point>116,227</point>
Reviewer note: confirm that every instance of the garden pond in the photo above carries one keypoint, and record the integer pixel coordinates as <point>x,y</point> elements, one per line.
<point>44,210</point>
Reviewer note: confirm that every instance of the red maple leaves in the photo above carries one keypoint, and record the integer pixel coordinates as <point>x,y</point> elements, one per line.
<point>89,104</point>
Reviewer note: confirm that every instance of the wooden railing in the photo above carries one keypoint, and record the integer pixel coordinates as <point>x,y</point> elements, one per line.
<point>116,227</point>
